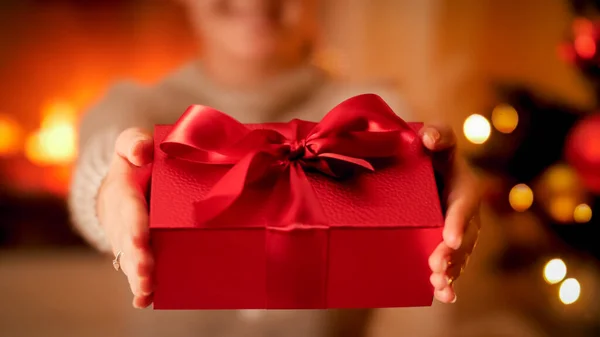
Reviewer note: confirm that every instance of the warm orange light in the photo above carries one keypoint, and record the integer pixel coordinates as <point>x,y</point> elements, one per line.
<point>582,213</point>
<point>10,136</point>
<point>505,118</point>
<point>555,271</point>
<point>50,146</point>
<point>569,291</point>
<point>562,208</point>
<point>477,129</point>
<point>520,197</point>
<point>58,113</point>
<point>55,142</point>
<point>561,179</point>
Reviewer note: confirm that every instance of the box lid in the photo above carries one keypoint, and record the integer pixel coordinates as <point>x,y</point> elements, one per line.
<point>400,193</point>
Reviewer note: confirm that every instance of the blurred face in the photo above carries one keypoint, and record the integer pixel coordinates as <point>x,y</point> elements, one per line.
<point>254,30</point>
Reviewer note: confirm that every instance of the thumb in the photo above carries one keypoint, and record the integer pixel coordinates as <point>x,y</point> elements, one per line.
<point>136,146</point>
<point>438,138</point>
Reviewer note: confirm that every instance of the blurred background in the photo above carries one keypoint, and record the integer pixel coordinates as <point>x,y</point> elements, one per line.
<point>517,79</point>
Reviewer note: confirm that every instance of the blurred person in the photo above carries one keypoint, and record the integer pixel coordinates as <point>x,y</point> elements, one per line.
<point>255,65</point>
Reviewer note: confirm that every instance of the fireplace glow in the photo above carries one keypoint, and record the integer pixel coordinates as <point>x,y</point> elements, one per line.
<point>10,136</point>
<point>55,142</point>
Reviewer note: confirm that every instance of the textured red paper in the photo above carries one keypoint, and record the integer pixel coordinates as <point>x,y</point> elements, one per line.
<point>373,265</point>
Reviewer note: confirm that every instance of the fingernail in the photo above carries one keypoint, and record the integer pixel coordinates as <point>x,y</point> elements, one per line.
<point>136,147</point>
<point>454,300</point>
<point>136,152</point>
<point>432,136</point>
<point>455,242</point>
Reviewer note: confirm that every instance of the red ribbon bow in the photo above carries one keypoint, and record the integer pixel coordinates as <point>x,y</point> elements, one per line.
<point>360,128</point>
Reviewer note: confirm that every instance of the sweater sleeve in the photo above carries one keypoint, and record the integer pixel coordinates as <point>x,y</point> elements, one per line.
<point>121,108</point>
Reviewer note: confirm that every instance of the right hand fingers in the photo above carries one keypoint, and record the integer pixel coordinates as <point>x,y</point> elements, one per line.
<point>123,211</point>
<point>133,240</point>
<point>142,301</point>
<point>136,146</point>
<point>124,217</point>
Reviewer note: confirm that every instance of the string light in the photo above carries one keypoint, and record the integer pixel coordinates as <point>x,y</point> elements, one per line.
<point>555,271</point>
<point>477,129</point>
<point>582,26</point>
<point>585,46</point>
<point>560,178</point>
<point>520,197</point>
<point>505,118</point>
<point>562,208</point>
<point>582,213</point>
<point>569,291</point>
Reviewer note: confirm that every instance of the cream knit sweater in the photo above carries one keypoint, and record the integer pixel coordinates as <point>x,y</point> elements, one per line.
<point>305,93</point>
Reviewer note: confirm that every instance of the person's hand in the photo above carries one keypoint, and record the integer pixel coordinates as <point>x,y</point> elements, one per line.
<point>461,201</point>
<point>123,212</point>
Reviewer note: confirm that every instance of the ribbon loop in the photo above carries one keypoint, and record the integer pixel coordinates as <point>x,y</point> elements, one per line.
<point>358,129</point>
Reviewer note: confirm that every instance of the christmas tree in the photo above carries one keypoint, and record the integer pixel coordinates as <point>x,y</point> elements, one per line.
<point>546,154</point>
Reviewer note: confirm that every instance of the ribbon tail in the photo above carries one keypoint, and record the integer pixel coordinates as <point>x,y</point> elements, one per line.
<point>299,206</point>
<point>230,187</point>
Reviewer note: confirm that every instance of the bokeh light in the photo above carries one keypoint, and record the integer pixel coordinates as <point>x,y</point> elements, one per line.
<point>561,208</point>
<point>477,129</point>
<point>582,213</point>
<point>55,142</point>
<point>569,291</point>
<point>505,118</point>
<point>520,197</point>
<point>50,146</point>
<point>582,151</point>
<point>582,26</point>
<point>585,46</point>
<point>555,271</point>
<point>561,178</point>
<point>558,191</point>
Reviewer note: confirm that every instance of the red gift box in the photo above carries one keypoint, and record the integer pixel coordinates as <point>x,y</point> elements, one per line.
<point>301,215</point>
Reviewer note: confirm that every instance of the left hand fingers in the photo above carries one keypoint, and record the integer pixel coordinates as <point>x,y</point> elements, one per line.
<point>463,205</point>
<point>457,226</point>
<point>440,281</point>
<point>448,264</point>
<point>461,228</point>
<point>446,295</point>
<point>450,261</point>
<point>443,282</point>
<point>438,138</point>
<point>462,193</point>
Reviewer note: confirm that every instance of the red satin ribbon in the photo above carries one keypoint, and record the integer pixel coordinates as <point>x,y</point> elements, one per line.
<point>360,128</point>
